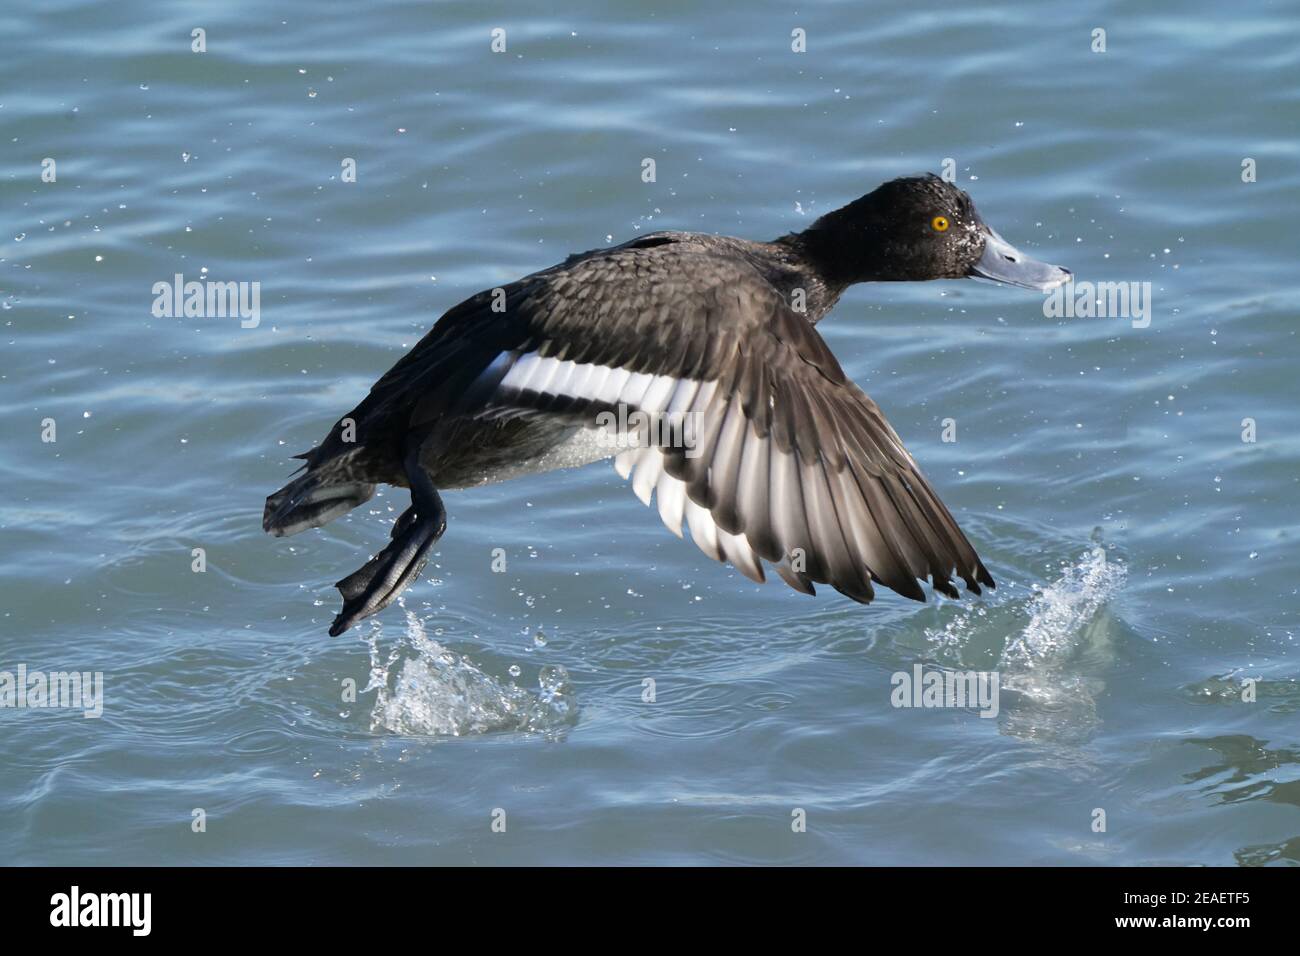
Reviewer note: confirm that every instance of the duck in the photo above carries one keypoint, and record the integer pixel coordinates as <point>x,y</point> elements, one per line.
<point>768,454</point>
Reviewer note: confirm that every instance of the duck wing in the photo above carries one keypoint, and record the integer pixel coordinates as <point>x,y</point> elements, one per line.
<point>793,464</point>
<point>762,445</point>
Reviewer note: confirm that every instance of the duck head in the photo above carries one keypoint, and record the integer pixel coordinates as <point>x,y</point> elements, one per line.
<point>916,228</point>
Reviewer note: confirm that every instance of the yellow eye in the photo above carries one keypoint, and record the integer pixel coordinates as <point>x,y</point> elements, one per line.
<point>939,223</point>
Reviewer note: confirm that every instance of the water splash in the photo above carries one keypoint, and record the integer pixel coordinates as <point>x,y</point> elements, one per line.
<point>1045,667</point>
<point>436,691</point>
<point>1057,643</point>
<point>1059,610</point>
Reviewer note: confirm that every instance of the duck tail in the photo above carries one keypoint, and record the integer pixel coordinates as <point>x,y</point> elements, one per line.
<point>314,498</point>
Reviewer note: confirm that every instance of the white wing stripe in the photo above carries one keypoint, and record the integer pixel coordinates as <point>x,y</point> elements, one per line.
<point>603,383</point>
<point>548,373</point>
<point>656,396</point>
<point>635,388</point>
<point>613,386</point>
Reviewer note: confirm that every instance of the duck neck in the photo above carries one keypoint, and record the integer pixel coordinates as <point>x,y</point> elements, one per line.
<point>816,267</point>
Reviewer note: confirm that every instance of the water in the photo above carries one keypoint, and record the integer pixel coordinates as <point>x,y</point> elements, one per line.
<point>1146,555</point>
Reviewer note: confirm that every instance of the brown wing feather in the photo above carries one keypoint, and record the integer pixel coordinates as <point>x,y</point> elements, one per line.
<point>797,461</point>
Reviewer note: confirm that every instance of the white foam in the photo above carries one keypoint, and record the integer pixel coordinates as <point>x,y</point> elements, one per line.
<point>436,691</point>
<point>1058,612</point>
<point>1041,641</point>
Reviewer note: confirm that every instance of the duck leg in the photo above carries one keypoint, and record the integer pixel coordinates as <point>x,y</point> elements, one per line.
<point>375,585</point>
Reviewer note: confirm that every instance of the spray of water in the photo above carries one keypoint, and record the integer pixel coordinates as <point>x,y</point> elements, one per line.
<point>1049,694</point>
<point>1059,610</point>
<point>423,688</point>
